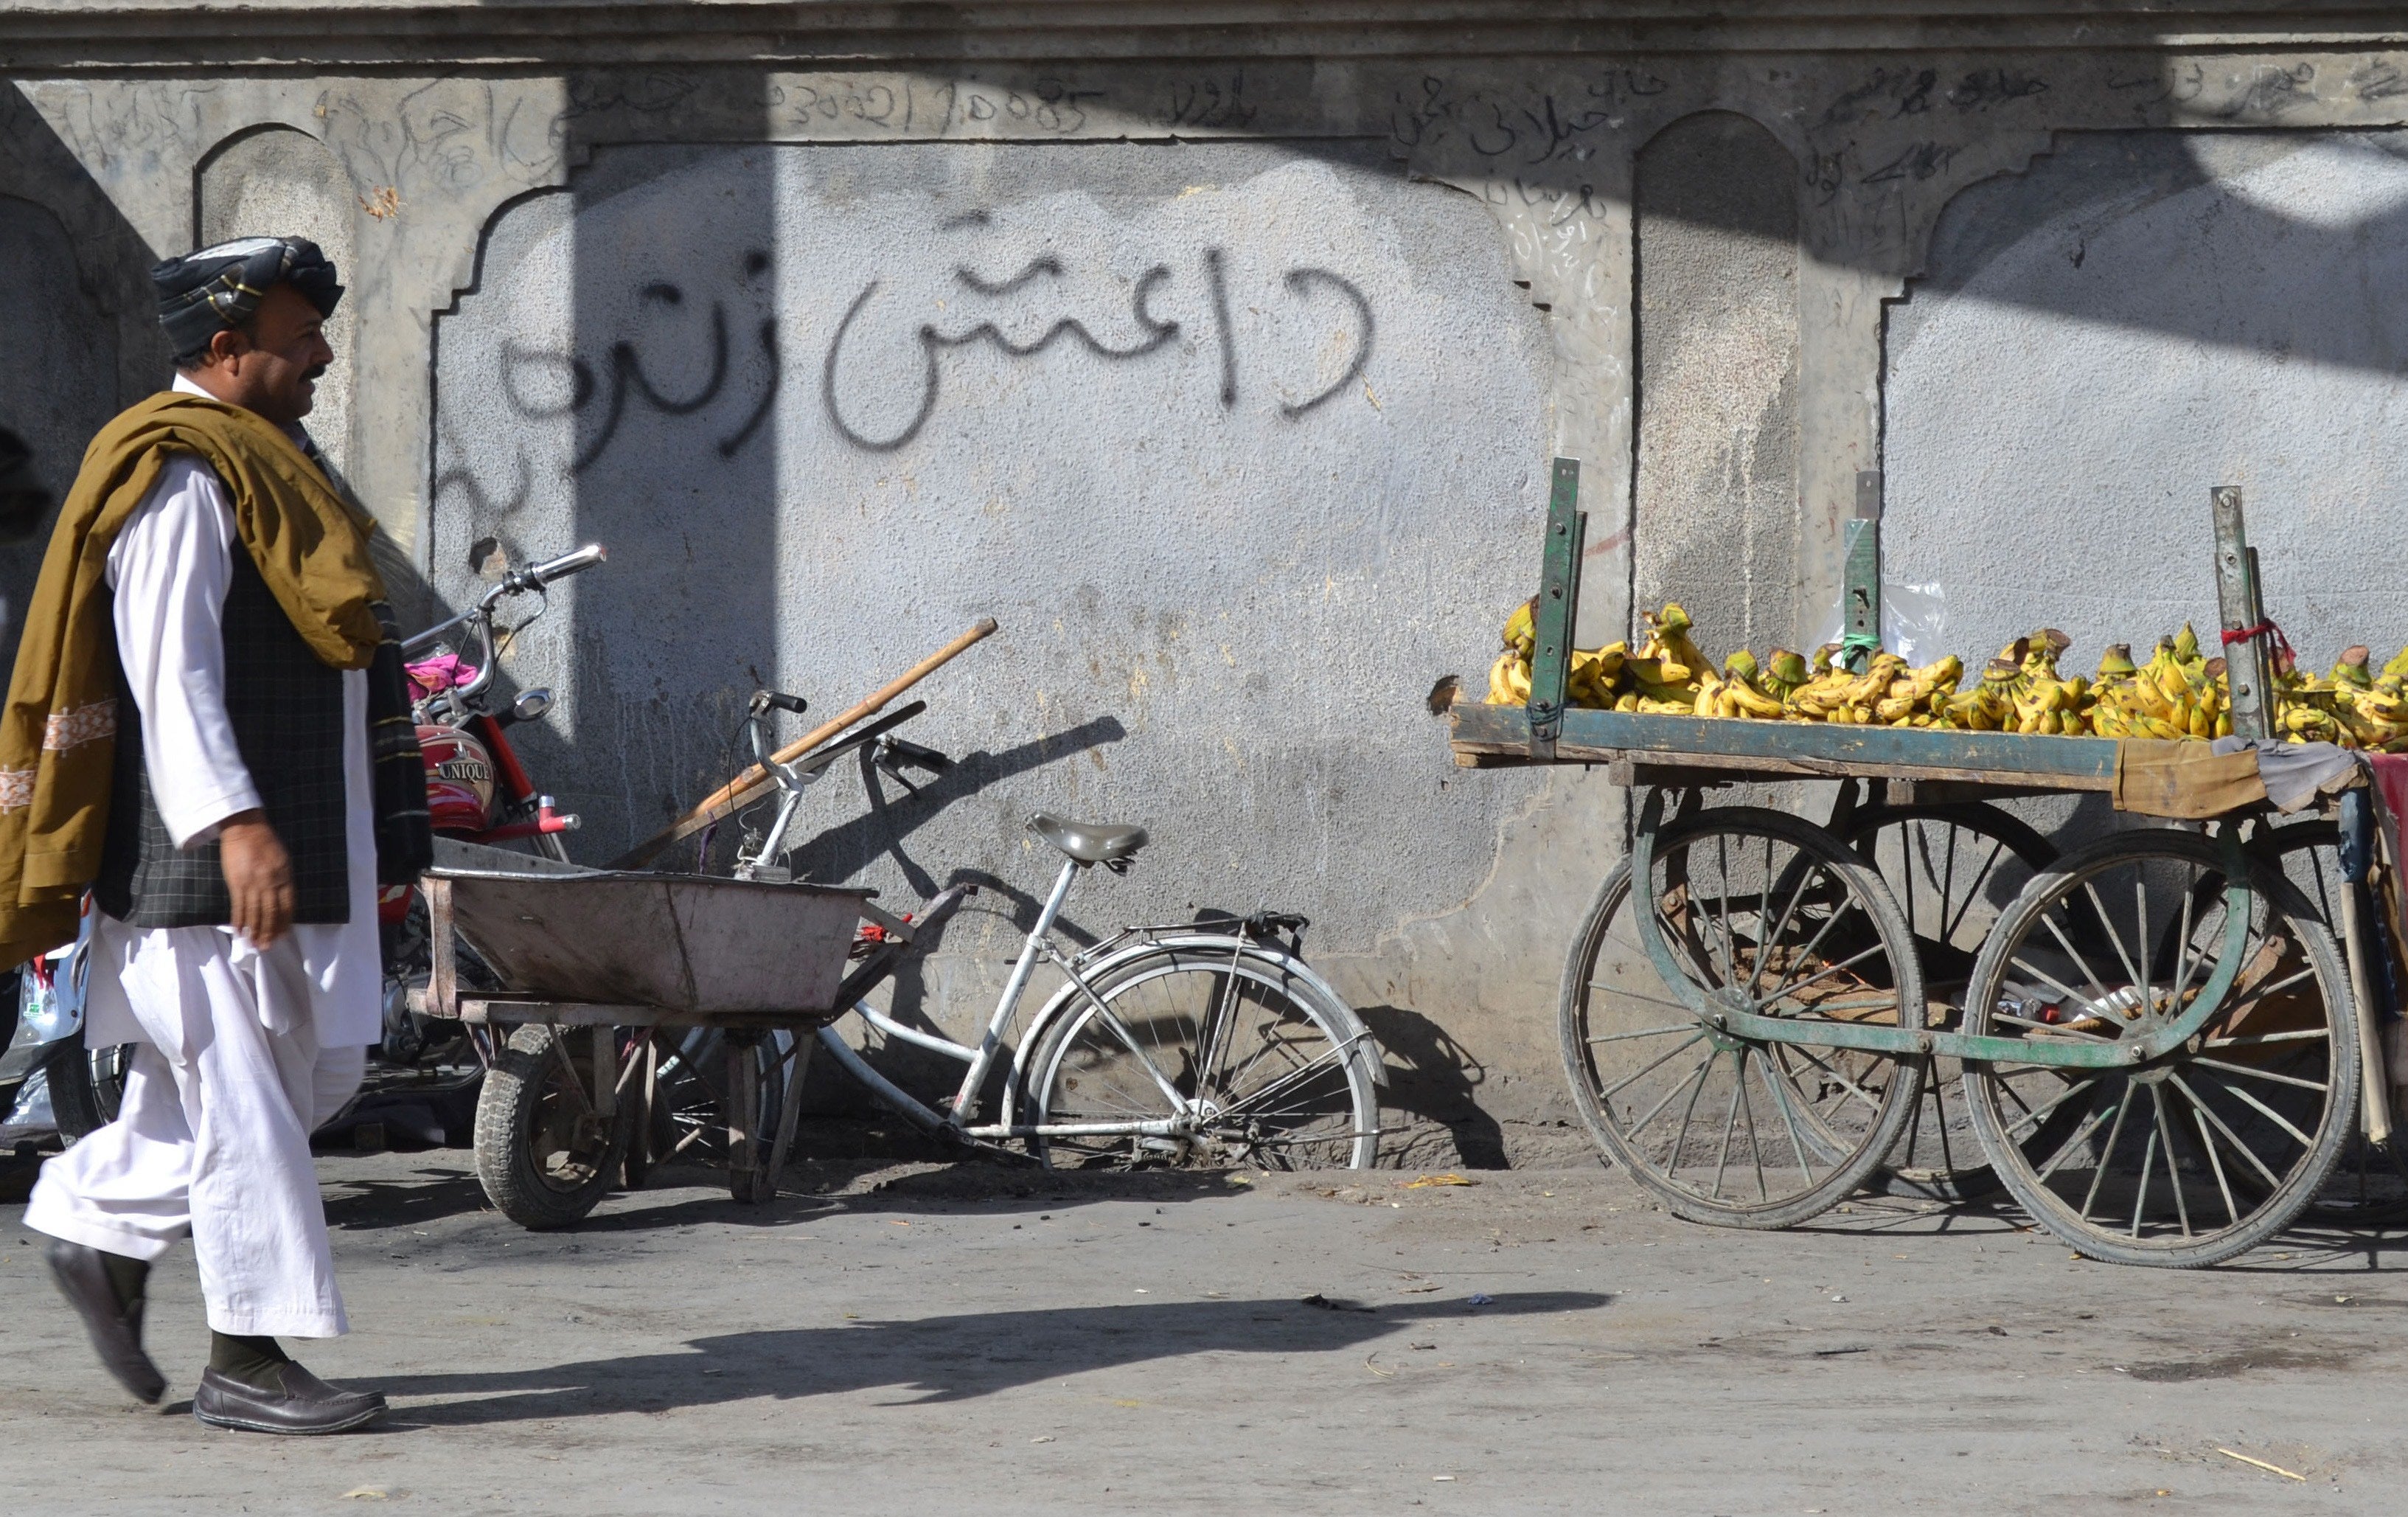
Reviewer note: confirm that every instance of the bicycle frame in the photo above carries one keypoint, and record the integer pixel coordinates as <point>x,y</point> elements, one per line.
<point>981,1059</point>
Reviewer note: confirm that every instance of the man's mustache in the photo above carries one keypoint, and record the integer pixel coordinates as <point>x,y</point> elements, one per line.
<point>309,375</point>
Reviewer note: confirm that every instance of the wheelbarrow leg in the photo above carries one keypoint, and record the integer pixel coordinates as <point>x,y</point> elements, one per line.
<point>744,1177</point>
<point>640,1079</point>
<point>790,1105</point>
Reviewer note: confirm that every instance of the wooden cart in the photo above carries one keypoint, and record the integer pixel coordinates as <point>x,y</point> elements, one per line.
<point>588,970</point>
<point>2153,1042</point>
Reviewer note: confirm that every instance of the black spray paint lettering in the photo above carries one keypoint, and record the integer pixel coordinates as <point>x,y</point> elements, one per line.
<point>530,369</point>
<point>1304,282</point>
<point>627,376</point>
<point>931,341</point>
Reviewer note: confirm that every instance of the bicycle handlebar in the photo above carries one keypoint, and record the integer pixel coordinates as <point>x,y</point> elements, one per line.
<point>517,582</point>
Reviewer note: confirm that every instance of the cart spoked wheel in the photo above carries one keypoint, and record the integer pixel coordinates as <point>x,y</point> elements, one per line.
<point>1759,912</point>
<point>1954,869</point>
<point>2369,1183</point>
<point>2202,1152</point>
<point>544,1155</point>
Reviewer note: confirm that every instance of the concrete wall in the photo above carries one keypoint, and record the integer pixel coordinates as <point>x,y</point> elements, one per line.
<point>279,181</point>
<point>2141,317</point>
<point>1341,289</point>
<point>1717,519</point>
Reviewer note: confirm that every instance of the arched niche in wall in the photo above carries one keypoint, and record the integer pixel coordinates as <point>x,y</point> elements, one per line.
<point>60,384</point>
<point>1715,509</point>
<point>275,181</point>
<point>2140,316</point>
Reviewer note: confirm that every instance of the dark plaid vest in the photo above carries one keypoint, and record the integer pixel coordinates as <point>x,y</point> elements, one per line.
<point>287,712</point>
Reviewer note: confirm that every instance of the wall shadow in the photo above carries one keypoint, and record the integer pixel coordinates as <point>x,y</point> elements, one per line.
<point>1436,1080</point>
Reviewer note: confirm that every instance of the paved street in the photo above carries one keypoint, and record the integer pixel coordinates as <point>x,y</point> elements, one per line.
<point>985,1339</point>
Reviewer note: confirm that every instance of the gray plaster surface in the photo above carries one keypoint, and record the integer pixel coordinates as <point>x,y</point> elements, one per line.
<point>2142,316</point>
<point>1243,448</point>
<point>982,1340</point>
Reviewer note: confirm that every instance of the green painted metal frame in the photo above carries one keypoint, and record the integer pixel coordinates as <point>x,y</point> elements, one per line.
<point>1750,1024</point>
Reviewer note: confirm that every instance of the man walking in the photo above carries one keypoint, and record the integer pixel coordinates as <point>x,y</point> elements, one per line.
<point>207,726</point>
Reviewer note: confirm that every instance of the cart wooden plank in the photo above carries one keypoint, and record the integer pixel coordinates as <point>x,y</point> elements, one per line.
<point>1713,749</point>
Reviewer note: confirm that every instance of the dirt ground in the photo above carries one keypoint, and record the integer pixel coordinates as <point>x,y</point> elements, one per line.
<point>985,1339</point>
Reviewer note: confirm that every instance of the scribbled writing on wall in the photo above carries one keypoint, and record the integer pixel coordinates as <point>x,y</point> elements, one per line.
<point>1303,283</point>
<point>542,383</point>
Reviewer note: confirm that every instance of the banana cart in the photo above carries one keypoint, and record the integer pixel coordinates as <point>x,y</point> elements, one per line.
<point>2154,1042</point>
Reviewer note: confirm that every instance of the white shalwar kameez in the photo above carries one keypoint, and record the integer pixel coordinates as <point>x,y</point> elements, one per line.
<point>241,1054</point>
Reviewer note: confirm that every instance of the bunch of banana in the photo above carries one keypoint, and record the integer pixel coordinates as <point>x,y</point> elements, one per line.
<point>1989,706</point>
<point>1741,689</point>
<point>2177,694</point>
<point>1509,678</point>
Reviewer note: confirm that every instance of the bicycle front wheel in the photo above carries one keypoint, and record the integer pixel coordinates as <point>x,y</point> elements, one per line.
<point>1231,1054</point>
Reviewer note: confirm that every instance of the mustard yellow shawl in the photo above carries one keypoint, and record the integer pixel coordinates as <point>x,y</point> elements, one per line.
<point>58,730</point>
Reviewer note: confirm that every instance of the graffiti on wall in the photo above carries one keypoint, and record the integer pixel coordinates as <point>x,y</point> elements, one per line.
<point>718,356</point>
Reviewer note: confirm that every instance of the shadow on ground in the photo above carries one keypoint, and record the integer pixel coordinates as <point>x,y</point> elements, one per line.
<point>930,1359</point>
<point>811,1187</point>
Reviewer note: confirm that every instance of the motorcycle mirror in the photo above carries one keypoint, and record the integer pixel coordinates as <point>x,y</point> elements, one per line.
<point>531,705</point>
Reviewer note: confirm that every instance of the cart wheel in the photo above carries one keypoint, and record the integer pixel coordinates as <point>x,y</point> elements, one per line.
<point>1762,911</point>
<point>2199,1155</point>
<point>544,1159</point>
<point>1952,869</point>
<point>2369,1183</point>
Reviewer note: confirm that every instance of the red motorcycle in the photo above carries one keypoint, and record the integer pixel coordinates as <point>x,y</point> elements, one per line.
<point>477,790</point>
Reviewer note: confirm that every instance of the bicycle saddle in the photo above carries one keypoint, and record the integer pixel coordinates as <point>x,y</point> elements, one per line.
<point>1090,843</point>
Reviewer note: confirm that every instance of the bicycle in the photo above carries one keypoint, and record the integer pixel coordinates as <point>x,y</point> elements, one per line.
<point>1181,1045</point>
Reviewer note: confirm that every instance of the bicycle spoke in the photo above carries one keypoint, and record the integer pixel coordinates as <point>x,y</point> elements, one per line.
<point>1704,1070</point>
<point>1674,1053</point>
<point>1647,1032</point>
<point>2069,1093</point>
<point>1824,972</point>
<point>2073,1143</point>
<point>1755,1149</point>
<point>1730,1122</point>
<point>2131,975</point>
<point>2268,1112</point>
<point>2174,1175</point>
<point>2204,1063</point>
<point>2214,1160</point>
<point>1850,1085</point>
<point>2141,1197</point>
<point>1755,976</point>
<point>1781,1103</point>
<point>2229,1136</point>
<point>2107,1154</point>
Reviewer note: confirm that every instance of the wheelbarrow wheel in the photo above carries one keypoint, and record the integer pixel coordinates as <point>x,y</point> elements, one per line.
<point>2197,1156</point>
<point>543,1157</point>
<point>1761,910</point>
<point>1954,869</point>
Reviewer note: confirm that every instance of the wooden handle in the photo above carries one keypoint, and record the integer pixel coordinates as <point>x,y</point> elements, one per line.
<point>746,787</point>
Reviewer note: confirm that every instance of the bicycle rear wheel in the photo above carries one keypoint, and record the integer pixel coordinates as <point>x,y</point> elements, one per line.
<point>1249,1063</point>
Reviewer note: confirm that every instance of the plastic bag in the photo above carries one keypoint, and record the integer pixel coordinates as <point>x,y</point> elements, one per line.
<point>1914,622</point>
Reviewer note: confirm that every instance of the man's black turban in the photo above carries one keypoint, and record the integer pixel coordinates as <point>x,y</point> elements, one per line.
<point>218,289</point>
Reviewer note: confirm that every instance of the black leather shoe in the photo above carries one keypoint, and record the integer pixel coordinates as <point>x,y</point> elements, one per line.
<point>116,1331</point>
<point>305,1405</point>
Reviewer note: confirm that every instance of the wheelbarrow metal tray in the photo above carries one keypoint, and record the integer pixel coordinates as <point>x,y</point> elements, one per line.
<point>689,946</point>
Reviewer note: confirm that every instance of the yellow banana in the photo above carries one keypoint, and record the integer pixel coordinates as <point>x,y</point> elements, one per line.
<point>1521,628</point>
